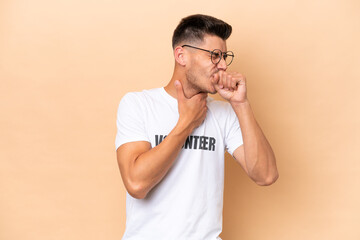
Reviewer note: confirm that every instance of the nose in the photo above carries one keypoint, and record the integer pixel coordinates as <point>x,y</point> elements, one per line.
<point>222,64</point>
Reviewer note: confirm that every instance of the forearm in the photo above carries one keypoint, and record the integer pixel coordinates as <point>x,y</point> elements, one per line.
<point>151,167</point>
<point>259,156</point>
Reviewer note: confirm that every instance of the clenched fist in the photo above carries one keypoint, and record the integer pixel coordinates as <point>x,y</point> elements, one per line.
<point>231,86</point>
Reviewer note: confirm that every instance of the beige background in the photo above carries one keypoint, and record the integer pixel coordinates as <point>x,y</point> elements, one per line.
<point>64,66</point>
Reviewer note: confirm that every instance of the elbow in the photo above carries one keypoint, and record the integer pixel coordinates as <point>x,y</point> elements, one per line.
<point>267,176</point>
<point>268,181</point>
<point>136,191</point>
<point>137,195</point>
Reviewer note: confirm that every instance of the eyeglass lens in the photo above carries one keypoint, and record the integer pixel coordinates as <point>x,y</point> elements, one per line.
<point>216,56</point>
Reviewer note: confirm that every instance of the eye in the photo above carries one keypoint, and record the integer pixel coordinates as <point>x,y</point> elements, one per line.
<point>216,54</point>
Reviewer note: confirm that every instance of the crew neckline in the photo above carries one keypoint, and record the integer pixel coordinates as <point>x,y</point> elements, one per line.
<point>168,96</point>
<point>174,100</point>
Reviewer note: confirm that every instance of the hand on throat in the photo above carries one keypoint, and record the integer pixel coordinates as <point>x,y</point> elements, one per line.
<point>190,90</point>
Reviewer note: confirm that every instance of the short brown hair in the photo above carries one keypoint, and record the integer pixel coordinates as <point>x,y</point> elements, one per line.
<point>194,27</point>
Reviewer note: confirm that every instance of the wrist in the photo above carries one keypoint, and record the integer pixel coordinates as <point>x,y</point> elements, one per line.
<point>240,103</point>
<point>183,128</point>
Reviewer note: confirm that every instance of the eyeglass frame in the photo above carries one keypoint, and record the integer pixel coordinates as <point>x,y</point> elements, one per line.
<point>212,52</point>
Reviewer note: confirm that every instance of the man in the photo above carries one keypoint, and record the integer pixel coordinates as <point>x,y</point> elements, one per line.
<point>171,141</point>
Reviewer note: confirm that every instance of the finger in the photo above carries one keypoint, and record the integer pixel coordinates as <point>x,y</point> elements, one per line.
<point>220,72</point>
<point>233,83</point>
<point>218,88</point>
<point>228,82</point>
<point>200,96</point>
<point>218,82</point>
<point>179,90</point>
<point>222,78</point>
<point>242,81</point>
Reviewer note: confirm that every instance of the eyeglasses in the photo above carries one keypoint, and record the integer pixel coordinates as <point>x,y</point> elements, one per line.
<point>217,55</point>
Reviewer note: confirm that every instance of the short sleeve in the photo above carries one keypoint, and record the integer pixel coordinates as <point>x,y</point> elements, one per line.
<point>130,121</point>
<point>233,135</point>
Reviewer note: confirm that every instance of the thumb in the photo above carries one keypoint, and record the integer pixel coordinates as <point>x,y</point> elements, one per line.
<point>179,90</point>
<point>217,87</point>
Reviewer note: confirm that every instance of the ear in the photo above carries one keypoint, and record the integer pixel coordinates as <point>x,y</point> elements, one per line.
<point>180,56</point>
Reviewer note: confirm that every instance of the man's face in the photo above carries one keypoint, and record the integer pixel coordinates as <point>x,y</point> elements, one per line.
<point>201,73</point>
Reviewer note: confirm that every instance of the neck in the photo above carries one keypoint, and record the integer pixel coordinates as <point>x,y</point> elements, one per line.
<point>189,91</point>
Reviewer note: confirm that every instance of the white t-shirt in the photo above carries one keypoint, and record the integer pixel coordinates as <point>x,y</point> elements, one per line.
<point>187,203</point>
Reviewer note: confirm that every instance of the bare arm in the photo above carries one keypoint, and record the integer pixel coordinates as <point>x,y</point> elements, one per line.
<point>141,166</point>
<point>255,155</point>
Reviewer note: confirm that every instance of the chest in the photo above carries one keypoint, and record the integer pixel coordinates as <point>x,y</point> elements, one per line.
<point>161,120</point>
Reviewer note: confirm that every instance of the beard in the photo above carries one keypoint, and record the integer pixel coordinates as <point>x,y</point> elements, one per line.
<point>194,81</point>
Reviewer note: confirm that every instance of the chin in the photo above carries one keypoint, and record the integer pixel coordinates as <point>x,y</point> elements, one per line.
<point>212,92</point>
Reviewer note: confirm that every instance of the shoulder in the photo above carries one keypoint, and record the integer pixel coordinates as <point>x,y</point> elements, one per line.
<point>139,96</point>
